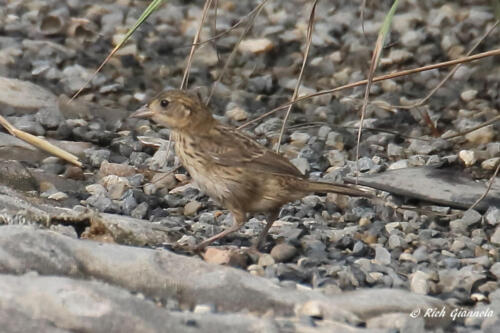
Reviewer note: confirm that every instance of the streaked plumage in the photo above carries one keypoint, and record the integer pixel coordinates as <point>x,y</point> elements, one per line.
<point>233,169</point>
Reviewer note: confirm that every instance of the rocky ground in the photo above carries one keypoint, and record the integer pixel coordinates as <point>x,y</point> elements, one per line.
<point>99,248</point>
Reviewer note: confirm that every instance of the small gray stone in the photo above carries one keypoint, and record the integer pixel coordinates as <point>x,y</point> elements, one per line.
<point>495,238</point>
<point>49,117</point>
<point>139,159</point>
<point>261,84</point>
<point>421,254</point>
<point>493,149</point>
<point>28,124</point>
<point>394,150</point>
<point>311,200</point>
<point>420,283</point>
<point>458,226</point>
<point>468,95</point>
<point>302,164</point>
<point>401,164</point>
<point>266,260</point>
<point>207,218</point>
<point>492,216</point>
<point>96,157</point>
<point>457,245</point>
<point>283,252</point>
<point>359,248</point>
<point>115,185</point>
<point>407,257</point>
<point>236,113</point>
<point>395,241</point>
<point>389,227</point>
<point>140,211</point>
<point>58,196</point>
<point>495,270</point>
<point>365,164</point>
<point>313,248</point>
<point>417,160</point>
<point>76,76</point>
<point>323,132</point>
<point>421,147</point>
<point>336,158</point>
<point>335,140</point>
<point>136,180</point>
<point>382,256</point>
<point>192,208</point>
<point>471,217</point>
<point>128,202</point>
<point>95,189</point>
<point>491,163</point>
<point>268,127</point>
<point>434,161</point>
<point>413,38</point>
<point>299,139</point>
<point>102,203</point>
<point>204,308</point>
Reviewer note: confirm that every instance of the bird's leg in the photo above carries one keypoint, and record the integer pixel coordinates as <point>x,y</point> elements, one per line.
<point>271,217</point>
<point>239,218</point>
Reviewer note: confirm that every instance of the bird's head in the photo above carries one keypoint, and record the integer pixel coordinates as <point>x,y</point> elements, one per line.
<point>177,110</point>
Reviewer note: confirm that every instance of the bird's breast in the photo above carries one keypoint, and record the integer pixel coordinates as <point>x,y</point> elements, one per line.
<point>205,175</point>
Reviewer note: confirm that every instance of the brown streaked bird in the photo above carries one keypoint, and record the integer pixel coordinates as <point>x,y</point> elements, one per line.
<point>236,171</point>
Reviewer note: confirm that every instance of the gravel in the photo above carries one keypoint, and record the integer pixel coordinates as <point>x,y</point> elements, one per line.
<point>322,244</point>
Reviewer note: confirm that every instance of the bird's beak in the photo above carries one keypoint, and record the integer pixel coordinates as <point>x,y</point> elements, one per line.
<point>142,112</point>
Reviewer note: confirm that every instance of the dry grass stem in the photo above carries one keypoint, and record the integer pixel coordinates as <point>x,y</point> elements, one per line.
<point>40,143</point>
<point>185,77</point>
<point>490,183</point>
<point>450,74</point>
<point>377,51</point>
<point>478,56</point>
<point>255,13</point>
<point>486,123</point>
<point>310,27</point>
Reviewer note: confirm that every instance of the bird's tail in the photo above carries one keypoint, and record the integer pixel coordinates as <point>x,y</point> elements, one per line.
<point>336,188</point>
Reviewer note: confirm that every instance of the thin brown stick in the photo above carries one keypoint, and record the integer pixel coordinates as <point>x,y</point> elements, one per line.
<point>310,27</point>
<point>169,172</point>
<point>237,24</point>
<point>373,129</point>
<point>185,77</point>
<point>478,56</point>
<point>362,17</point>
<point>214,30</point>
<point>40,143</point>
<point>233,52</point>
<point>428,121</point>
<point>486,123</point>
<point>490,183</point>
<point>450,74</point>
<point>377,52</point>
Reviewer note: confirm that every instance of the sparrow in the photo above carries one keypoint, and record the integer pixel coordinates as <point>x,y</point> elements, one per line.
<point>236,171</point>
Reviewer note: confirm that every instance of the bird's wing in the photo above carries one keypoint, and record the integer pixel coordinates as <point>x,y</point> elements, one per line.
<point>229,147</point>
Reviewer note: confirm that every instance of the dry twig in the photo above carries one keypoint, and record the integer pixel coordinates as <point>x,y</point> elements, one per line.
<point>310,26</point>
<point>40,143</point>
<point>478,56</point>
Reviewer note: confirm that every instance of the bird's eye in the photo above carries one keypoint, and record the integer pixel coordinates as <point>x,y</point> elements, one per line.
<point>164,103</point>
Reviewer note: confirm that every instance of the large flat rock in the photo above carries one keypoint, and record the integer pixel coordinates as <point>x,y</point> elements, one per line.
<point>160,274</point>
<point>448,187</point>
<point>32,303</point>
<point>24,96</point>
